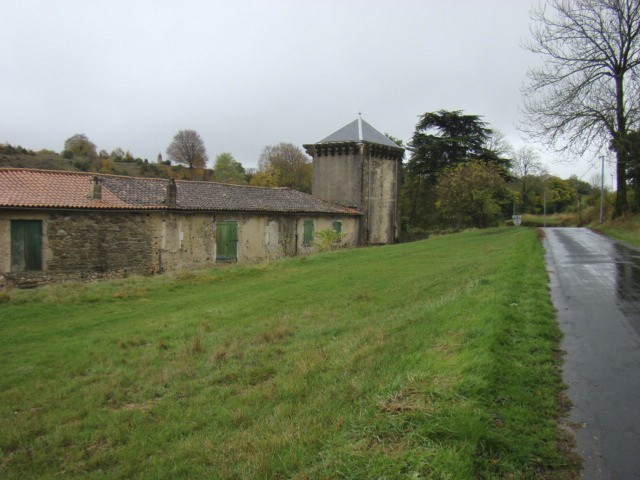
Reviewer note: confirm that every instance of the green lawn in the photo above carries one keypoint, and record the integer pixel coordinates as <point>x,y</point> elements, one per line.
<point>435,359</point>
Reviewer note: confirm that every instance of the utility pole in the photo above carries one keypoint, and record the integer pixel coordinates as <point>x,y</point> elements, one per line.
<point>544,202</point>
<point>602,191</point>
<point>579,210</point>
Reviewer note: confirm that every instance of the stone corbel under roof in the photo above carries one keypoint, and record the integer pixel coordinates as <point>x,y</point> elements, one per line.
<point>352,136</point>
<point>350,148</point>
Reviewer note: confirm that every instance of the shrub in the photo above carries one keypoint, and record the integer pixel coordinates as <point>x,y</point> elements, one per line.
<point>328,239</point>
<point>9,150</point>
<point>5,296</point>
<point>82,165</point>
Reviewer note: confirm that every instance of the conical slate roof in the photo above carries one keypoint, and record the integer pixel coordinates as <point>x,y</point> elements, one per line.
<point>359,131</point>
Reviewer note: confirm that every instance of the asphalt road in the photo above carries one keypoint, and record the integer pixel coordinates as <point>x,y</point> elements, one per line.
<point>595,284</point>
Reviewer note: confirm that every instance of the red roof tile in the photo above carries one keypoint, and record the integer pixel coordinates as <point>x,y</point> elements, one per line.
<point>27,188</point>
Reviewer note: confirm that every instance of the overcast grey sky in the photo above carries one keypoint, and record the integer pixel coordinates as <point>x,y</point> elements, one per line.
<point>245,74</point>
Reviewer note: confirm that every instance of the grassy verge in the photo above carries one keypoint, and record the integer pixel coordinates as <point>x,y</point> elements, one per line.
<point>551,220</point>
<point>626,229</point>
<point>435,359</point>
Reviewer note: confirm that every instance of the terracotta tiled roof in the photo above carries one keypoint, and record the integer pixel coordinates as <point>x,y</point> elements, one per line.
<point>26,188</point>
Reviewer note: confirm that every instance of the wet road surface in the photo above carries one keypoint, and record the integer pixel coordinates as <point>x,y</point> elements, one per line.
<point>595,284</point>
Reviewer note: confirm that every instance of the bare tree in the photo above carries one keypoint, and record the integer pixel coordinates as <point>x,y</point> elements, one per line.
<point>188,149</point>
<point>498,144</point>
<point>525,162</point>
<point>525,166</point>
<point>586,95</point>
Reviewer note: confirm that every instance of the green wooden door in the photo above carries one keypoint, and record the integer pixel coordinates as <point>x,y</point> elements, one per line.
<point>307,235</point>
<point>26,245</point>
<point>227,241</point>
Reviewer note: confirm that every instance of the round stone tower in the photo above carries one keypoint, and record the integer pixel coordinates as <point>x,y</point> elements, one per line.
<point>358,166</point>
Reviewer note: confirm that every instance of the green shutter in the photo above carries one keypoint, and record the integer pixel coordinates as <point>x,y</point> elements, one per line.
<point>26,245</point>
<point>337,226</point>
<point>226,241</point>
<point>307,238</point>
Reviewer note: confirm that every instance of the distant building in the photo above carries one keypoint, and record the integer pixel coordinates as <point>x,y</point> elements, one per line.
<point>360,167</point>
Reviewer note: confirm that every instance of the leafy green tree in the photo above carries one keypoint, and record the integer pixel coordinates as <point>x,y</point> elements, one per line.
<point>80,146</point>
<point>470,194</point>
<point>283,165</point>
<point>632,146</point>
<point>584,95</point>
<point>417,201</point>
<point>187,148</point>
<point>441,140</point>
<point>580,186</point>
<point>396,140</point>
<point>106,166</point>
<point>227,170</point>
<point>446,138</point>
<point>561,194</point>
<point>117,155</point>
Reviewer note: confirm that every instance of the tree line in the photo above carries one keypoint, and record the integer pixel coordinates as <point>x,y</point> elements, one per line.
<point>281,165</point>
<point>583,98</point>
<point>459,172</point>
<point>462,173</point>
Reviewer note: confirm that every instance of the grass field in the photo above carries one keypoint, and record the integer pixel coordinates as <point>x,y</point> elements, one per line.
<point>435,359</point>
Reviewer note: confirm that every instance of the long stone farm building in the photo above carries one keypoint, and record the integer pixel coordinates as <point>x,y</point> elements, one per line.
<point>57,226</point>
<point>61,225</point>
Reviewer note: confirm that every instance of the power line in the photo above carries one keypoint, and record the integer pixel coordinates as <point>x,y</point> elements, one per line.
<point>588,170</point>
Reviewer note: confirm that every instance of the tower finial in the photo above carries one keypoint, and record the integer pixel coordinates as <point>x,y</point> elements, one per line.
<point>360,138</point>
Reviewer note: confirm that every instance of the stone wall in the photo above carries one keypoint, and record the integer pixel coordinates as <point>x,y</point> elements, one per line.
<point>382,200</point>
<point>183,241</point>
<point>99,243</point>
<point>81,245</point>
<point>338,177</point>
<point>363,177</point>
<point>86,245</point>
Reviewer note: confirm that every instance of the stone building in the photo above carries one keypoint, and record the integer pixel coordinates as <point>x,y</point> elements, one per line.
<point>58,226</point>
<point>65,225</point>
<point>360,167</point>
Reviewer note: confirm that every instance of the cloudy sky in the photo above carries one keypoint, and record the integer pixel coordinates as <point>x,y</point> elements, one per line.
<point>245,74</point>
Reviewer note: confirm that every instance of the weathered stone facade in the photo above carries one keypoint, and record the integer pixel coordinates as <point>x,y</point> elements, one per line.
<point>98,242</point>
<point>359,167</point>
<point>81,245</point>
<point>381,191</point>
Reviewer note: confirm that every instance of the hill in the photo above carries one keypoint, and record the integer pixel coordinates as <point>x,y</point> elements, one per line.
<point>48,160</point>
<point>23,158</point>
